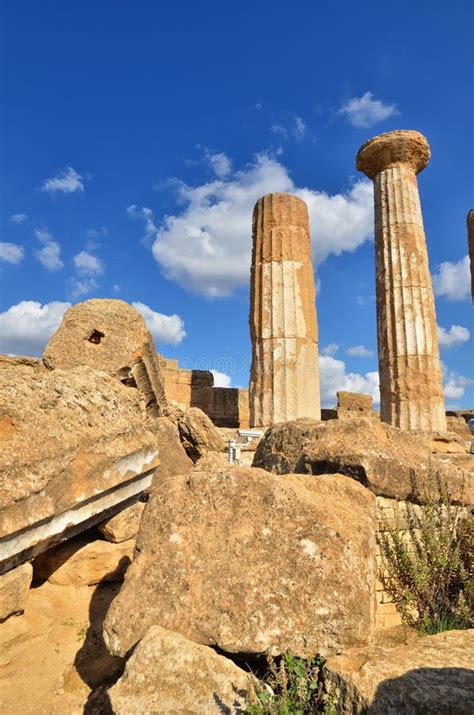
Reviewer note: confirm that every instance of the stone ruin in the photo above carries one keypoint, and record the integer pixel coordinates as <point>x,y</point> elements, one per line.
<point>113,466</point>
<point>470,243</point>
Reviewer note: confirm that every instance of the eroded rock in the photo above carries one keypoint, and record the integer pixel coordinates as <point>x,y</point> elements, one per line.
<point>198,434</point>
<point>252,563</point>
<point>124,525</point>
<point>14,589</point>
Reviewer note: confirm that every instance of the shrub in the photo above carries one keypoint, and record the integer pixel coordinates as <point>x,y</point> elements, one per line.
<point>293,686</point>
<point>427,556</point>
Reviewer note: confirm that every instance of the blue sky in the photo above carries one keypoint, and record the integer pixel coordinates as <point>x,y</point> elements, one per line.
<point>136,137</point>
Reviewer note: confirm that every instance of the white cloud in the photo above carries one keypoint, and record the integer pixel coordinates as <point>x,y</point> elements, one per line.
<point>164,328</point>
<point>82,286</point>
<point>300,127</point>
<point>88,264</point>
<point>454,384</point>
<point>68,181</point>
<point>221,379</point>
<point>453,280</point>
<point>18,218</point>
<point>50,254</point>
<point>334,377</point>
<point>26,327</point>
<point>359,351</point>
<point>11,253</point>
<point>147,216</point>
<point>220,163</point>
<point>456,335</point>
<point>206,247</point>
<point>365,111</point>
<point>330,349</point>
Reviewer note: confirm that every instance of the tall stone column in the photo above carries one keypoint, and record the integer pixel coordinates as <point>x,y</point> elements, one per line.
<point>411,391</point>
<point>284,379</point>
<point>470,243</point>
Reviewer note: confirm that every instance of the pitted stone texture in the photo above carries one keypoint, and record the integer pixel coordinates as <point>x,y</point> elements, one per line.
<point>112,336</point>
<point>390,462</point>
<point>252,563</point>
<point>284,381</point>
<point>124,525</point>
<point>434,674</point>
<point>470,242</point>
<point>14,589</point>
<point>353,404</point>
<point>167,673</point>
<point>411,392</point>
<point>198,434</point>
<point>65,436</point>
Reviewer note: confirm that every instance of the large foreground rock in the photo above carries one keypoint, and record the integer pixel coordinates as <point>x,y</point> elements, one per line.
<point>198,434</point>
<point>432,675</point>
<point>252,563</point>
<point>170,674</point>
<point>14,590</point>
<point>390,462</point>
<point>124,525</point>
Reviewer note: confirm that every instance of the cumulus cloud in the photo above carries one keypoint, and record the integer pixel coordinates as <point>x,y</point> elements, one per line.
<point>456,335</point>
<point>68,181</point>
<point>26,327</point>
<point>145,214</point>
<point>365,111</point>
<point>18,218</point>
<point>88,264</point>
<point>454,383</point>
<point>330,349</point>
<point>206,247</point>
<point>164,328</point>
<point>219,163</point>
<point>334,377</point>
<point>359,351</point>
<point>50,254</point>
<point>221,379</point>
<point>452,280</point>
<point>11,253</point>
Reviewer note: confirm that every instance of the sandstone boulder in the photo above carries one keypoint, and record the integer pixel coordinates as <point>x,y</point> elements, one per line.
<point>124,525</point>
<point>79,562</point>
<point>170,674</point>
<point>434,675</point>
<point>252,563</point>
<point>198,434</point>
<point>110,335</point>
<point>14,589</point>
<point>390,462</point>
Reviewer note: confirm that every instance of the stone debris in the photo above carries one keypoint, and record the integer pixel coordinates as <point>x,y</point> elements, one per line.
<point>353,404</point>
<point>198,434</point>
<point>167,673</point>
<point>124,525</point>
<point>433,674</point>
<point>284,378</point>
<point>390,462</point>
<point>14,589</point>
<point>252,563</point>
<point>80,562</point>
<point>411,386</point>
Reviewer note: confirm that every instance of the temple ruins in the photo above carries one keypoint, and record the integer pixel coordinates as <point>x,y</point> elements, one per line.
<point>284,379</point>
<point>411,388</point>
<point>470,243</point>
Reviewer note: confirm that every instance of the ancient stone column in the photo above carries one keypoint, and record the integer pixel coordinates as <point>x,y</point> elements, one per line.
<point>284,379</point>
<point>411,391</point>
<point>470,242</point>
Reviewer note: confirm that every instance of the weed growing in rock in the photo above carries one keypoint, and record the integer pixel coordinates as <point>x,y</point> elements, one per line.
<point>427,558</point>
<point>293,686</point>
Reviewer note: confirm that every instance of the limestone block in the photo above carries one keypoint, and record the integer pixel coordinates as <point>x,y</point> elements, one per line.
<point>124,525</point>
<point>353,404</point>
<point>252,563</point>
<point>198,434</point>
<point>153,679</point>
<point>14,589</point>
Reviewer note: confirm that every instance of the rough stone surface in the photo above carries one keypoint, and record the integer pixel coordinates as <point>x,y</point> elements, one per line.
<point>14,589</point>
<point>470,241</point>
<point>65,436</point>
<point>434,675</point>
<point>198,434</point>
<point>353,404</point>
<point>80,562</point>
<point>390,462</point>
<point>411,391</point>
<point>457,422</point>
<point>252,563</point>
<point>112,336</point>
<point>124,525</point>
<point>284,378</point>
<point>170,674</point>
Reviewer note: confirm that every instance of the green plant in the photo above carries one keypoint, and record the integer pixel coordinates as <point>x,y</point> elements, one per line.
<point>293,686</point>
<point>427,557</point>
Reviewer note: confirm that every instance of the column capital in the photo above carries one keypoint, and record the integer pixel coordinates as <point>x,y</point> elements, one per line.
<point>401,147</point>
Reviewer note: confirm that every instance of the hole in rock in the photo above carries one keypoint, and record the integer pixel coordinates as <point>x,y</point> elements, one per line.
<point>96,336</point>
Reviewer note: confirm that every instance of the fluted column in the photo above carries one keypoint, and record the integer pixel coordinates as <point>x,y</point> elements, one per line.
<point>284,379</point>
<point>411,392</point>
<point>470,243</point>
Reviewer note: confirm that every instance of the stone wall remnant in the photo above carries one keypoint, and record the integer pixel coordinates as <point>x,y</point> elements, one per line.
<point>284,380</point>
<point>411,391</point>
<point>353,404</point>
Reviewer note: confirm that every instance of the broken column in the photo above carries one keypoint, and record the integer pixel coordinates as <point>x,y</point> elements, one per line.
<point>470,242</point>
<point>284,379</point>
<point>411,392</point>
